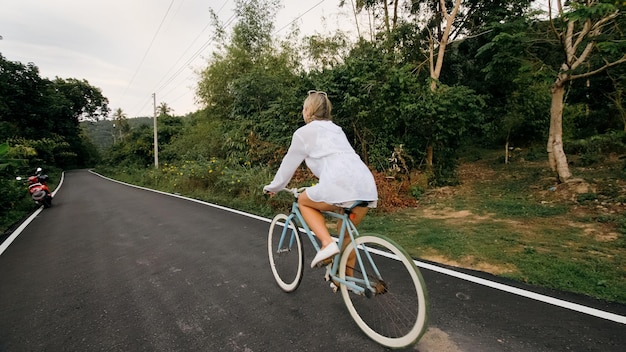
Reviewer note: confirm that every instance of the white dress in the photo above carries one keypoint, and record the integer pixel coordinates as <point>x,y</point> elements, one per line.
<point>343,177</point>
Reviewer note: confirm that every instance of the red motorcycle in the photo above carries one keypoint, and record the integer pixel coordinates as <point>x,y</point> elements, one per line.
<point>38,188</point>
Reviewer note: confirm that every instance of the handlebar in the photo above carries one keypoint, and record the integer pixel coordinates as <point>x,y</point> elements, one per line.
<point>294,191</point>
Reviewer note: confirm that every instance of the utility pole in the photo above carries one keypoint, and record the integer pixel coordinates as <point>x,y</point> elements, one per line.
<point>156,140</point>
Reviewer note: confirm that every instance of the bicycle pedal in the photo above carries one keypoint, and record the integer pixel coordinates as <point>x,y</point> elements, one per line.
<point>327,275</point>
<point>324,263</point>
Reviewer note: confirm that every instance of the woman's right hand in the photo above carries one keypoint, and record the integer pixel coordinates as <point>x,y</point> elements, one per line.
<point>268,193</point>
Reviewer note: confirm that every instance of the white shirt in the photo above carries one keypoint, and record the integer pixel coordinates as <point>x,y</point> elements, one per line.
<point>343,177</point>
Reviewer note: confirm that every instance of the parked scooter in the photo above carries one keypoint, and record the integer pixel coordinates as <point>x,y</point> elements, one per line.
<point>38,188</point>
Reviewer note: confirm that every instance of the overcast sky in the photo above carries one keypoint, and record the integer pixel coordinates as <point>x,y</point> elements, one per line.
<point>133,48</point>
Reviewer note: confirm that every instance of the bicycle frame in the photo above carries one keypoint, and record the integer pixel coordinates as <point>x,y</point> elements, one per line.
<point>396,311</point>
<point>346,226</point>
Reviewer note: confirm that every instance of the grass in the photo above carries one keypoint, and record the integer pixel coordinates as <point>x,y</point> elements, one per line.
<point>516,222</point>
<point>510,220</point>
<point>9,218</point>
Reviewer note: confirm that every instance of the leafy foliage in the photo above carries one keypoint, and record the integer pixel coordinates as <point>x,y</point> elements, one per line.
<point>495,89</point>
<point>33,108</point>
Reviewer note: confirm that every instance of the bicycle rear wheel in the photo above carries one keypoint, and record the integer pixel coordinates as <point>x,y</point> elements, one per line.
<point>396,314</point>
<point>285,252</point>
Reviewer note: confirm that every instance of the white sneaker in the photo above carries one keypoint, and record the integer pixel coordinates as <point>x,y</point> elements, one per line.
<point>325,253</point>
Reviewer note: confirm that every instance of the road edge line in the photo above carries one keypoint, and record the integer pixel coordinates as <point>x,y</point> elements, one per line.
<point>506,288</point>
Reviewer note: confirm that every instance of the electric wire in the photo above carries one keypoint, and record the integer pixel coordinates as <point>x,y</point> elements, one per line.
<point>299,17</point>
<point>230,19</point>
<point>191,59</point>
<point>194,56</point>
<point>161,86</point>
<point>148,49</point>
<point>164,83</point>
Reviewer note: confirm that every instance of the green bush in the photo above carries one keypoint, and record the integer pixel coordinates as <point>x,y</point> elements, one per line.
<point>416,191</point>
<point>586,197</point>
<point>595,149</point>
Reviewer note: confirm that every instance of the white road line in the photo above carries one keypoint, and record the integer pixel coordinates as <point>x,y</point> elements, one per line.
<point>21,228</point>
<point>498,286</point>
<point>518,291</point>
<point>528,294</point>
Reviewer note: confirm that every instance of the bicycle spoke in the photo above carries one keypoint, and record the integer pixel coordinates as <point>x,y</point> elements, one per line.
<point>394,316</point>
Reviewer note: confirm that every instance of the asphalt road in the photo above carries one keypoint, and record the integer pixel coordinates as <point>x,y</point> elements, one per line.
<point>115,268</point>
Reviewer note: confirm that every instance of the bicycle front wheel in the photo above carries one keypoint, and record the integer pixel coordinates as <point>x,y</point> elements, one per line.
<point>284,247</point>
<point>395,312</point>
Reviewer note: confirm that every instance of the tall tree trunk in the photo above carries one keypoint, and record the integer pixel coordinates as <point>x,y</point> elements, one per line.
<point>356,19</point>
<point>616,98</point>
<point>429,157</point>
<point>556,154</point>
<point>435,67</point>
<point>578,43</point>
<point>387,26</point>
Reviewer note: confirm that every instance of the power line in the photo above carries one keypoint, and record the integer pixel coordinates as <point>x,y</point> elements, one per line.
<point>207,43</point>
<point>299,17</point>
<point>186,50</point>
<point>163,83</point>
<point>193,57</point>
<point>148,50</point>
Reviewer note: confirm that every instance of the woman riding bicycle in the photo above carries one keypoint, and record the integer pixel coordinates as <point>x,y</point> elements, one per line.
<point>343,177</point>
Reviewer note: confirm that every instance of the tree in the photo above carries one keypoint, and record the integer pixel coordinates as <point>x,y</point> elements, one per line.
<point>503,66</point>
<point>583,27</point>
<point>617,99</point>
<point>23,101</point>
<point>80,100</point>
<point>35,109</point>
<point>377,9</point>
<point>164,110</point>
<point>71,101</point>
<point>439,30</point>
<point>440,42</point>
<point>120,124</point>
<point>250,85</point>
<point>250,42</point>
<point>136,151</point>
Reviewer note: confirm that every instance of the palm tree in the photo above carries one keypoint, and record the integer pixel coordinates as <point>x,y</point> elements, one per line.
<point>164,109</point>
<point>121,123</point>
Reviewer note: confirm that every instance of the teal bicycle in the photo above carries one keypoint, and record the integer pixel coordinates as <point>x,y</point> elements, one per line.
<point>379,282</point>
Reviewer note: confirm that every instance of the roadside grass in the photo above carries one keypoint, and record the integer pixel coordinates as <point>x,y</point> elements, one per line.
<point>512,220</point>
<point>516,222</point>
<point>25,205</point>
<point>542,253</point>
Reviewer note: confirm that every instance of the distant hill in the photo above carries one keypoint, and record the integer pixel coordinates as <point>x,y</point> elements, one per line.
<point>102,133</point>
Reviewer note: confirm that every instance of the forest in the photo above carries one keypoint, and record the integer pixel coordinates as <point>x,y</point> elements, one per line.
<point>425,78</point>
<point>423,82</point>
<point>423,87</point>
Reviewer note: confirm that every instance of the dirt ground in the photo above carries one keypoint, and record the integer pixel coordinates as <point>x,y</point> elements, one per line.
<point>544,190</point>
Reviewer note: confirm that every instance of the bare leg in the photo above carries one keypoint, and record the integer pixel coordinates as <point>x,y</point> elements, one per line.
<point>358,215</point>
<point>311,212</point>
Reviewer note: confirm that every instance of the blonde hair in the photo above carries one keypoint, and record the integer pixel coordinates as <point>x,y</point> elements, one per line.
<point>318,104</point>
